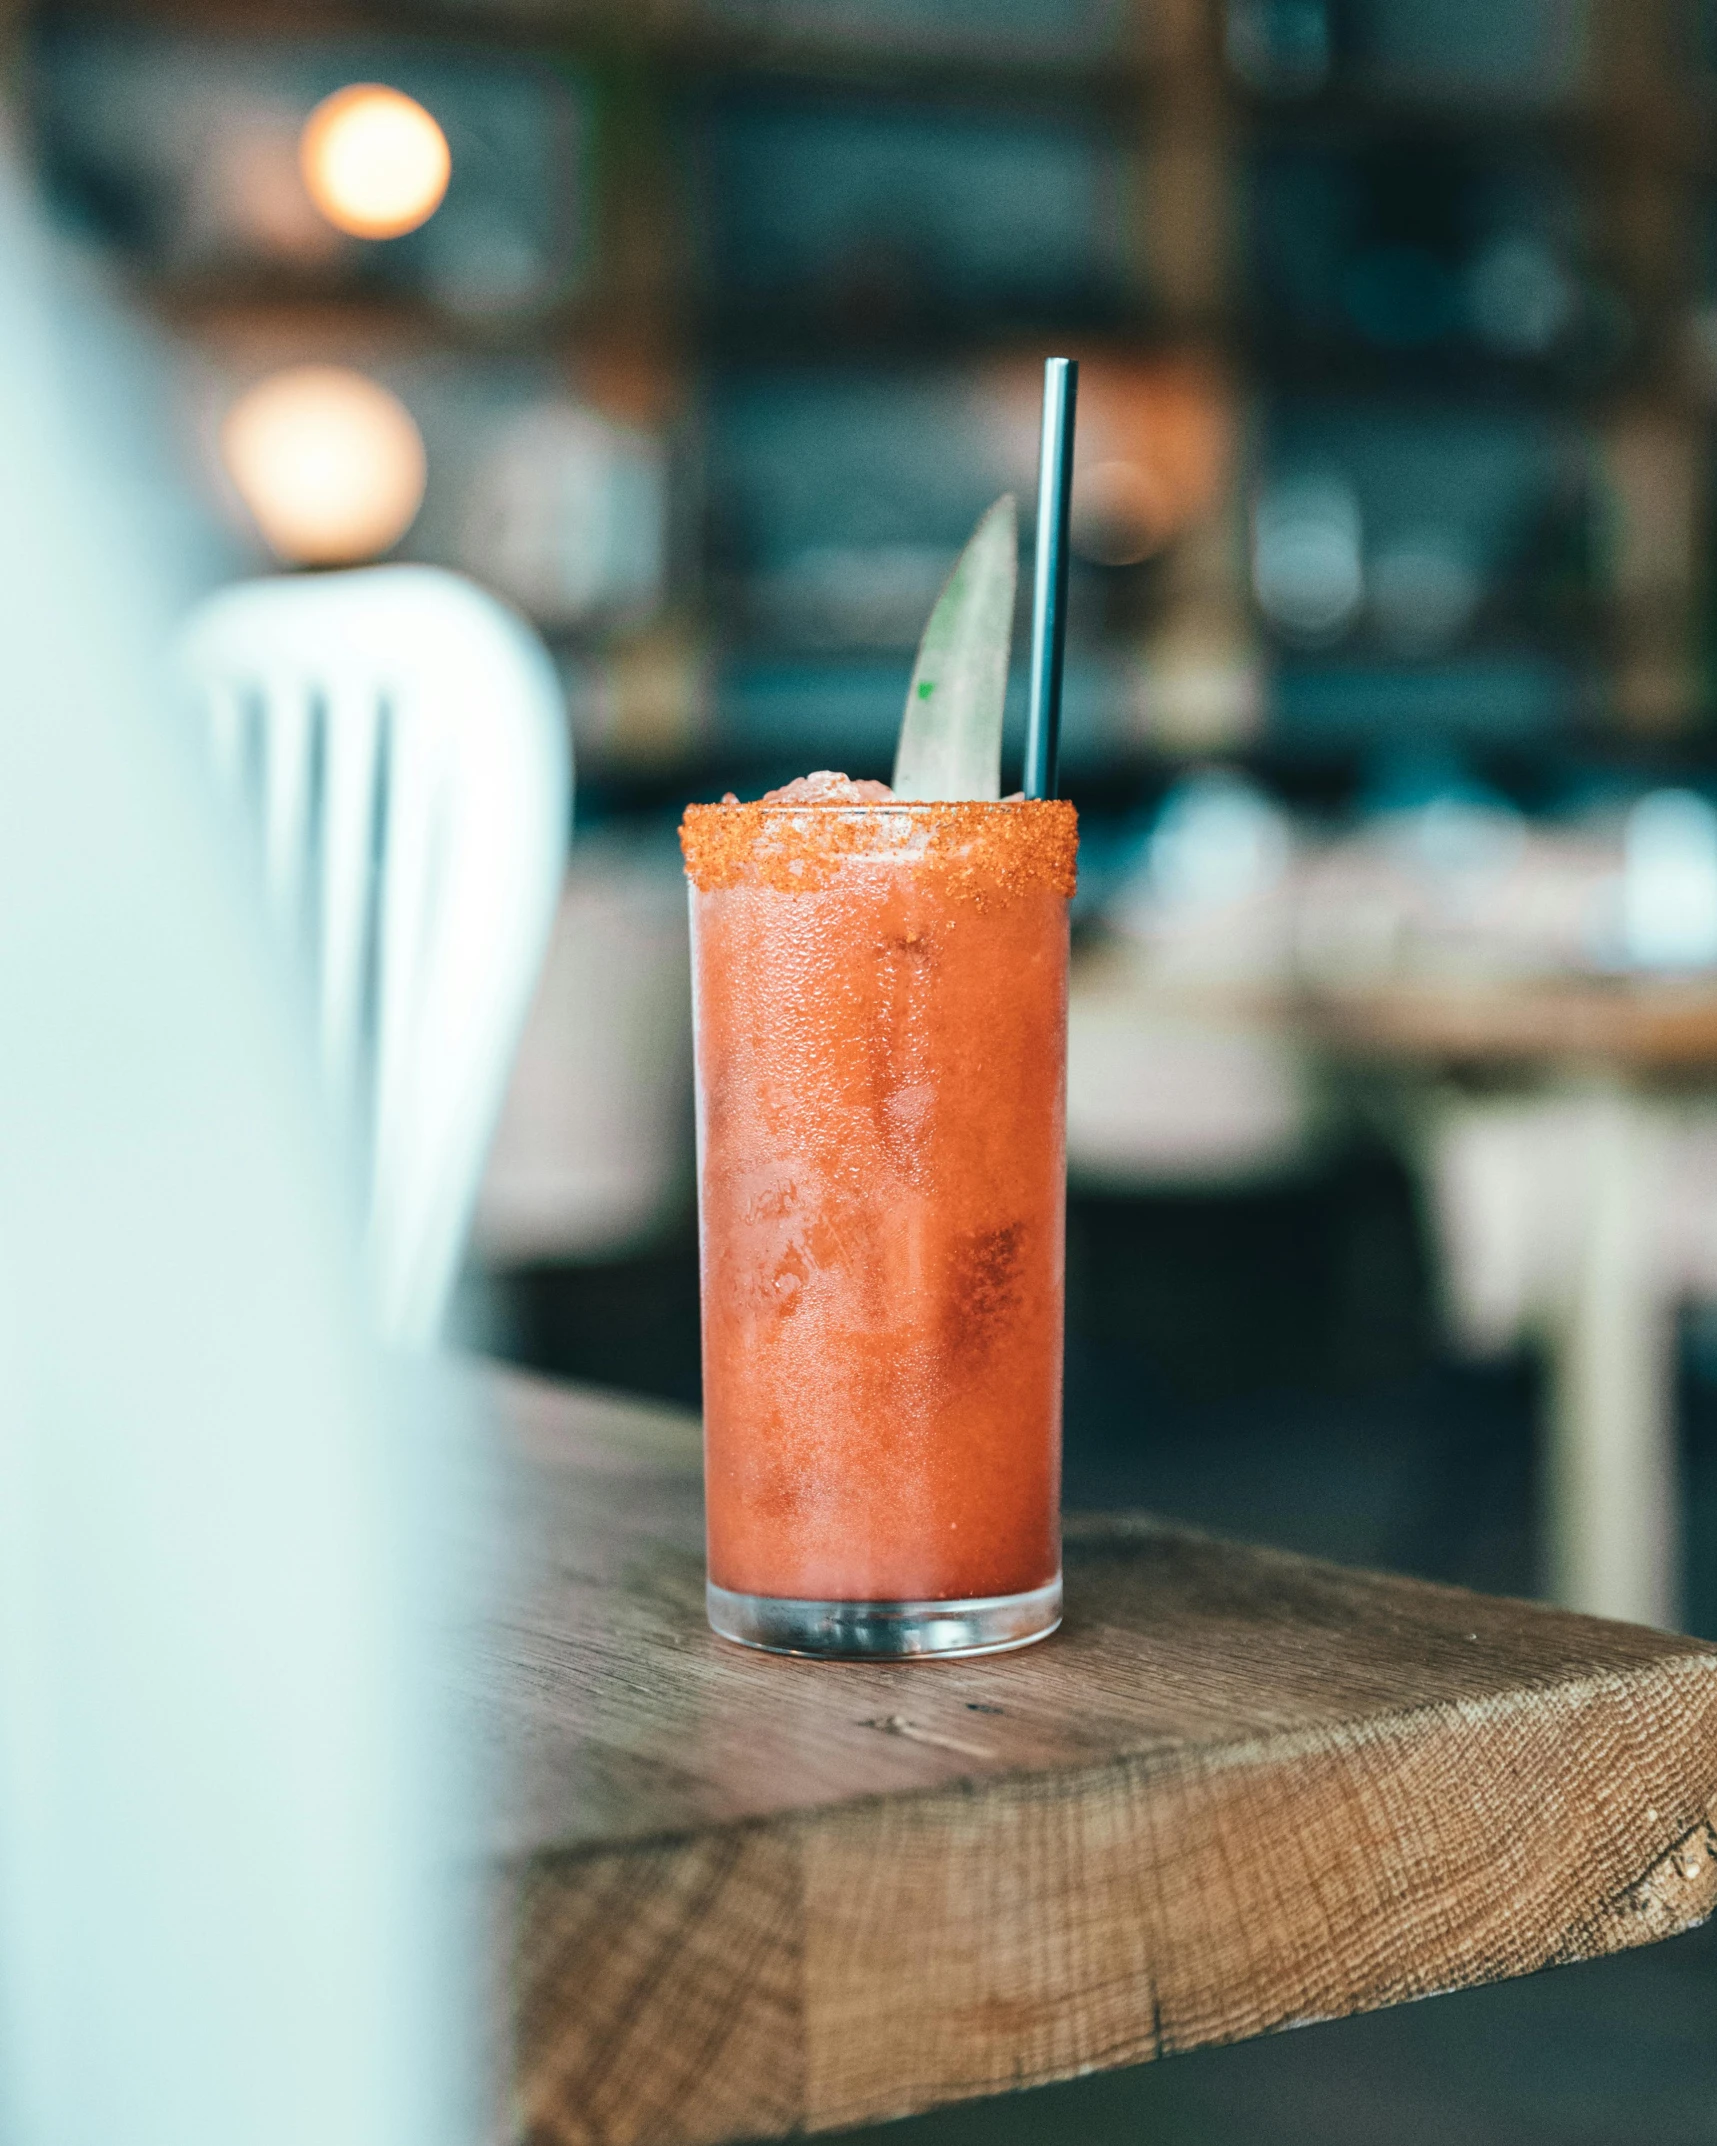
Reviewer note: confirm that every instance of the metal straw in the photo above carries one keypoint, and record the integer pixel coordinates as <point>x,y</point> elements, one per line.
<point>1049,592</point>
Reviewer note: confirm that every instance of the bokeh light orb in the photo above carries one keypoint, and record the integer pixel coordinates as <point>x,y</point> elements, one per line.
<point>1122,512</point>
<point>375,162</point>
<point>328,462</point>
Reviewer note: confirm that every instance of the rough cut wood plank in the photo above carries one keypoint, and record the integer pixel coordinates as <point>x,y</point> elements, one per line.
<point>1240,1790</point>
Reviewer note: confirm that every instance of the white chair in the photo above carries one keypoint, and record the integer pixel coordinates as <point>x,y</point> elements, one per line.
<point>400,735</point>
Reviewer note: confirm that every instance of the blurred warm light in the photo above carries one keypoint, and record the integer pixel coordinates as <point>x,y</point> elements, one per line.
<point>329,463</point>
<point>375,161</point>
<point>1156,441</point>
<point>1122,512</point>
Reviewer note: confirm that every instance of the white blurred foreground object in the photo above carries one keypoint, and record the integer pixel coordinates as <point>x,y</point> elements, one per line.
<point>402,736</point>
<point>219,1776</point>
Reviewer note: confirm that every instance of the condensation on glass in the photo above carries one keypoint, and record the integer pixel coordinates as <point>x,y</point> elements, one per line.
<point>881,1011</point>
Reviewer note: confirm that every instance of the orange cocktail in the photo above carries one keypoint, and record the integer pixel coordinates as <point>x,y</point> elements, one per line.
<point>881,1016</point>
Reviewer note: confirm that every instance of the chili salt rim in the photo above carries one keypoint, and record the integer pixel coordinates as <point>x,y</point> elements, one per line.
<point>989,851</point>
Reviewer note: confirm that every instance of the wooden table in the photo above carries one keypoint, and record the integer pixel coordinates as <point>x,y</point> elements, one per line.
<point>1238,1791</point>
<point>1612,1518</point>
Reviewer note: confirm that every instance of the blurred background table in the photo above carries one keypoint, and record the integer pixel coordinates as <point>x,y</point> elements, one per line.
<point>1240,1790</point>
<point>1577,1208</point>
<point>1615,1025</point>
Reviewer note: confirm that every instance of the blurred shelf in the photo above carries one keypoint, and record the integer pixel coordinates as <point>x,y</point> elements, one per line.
<point>274,315</point>
<point>1672,132</point>
<point>673,39</point>
<point>1665,124</point>
<point>663,314</point>
<point>304,311</point>
<point>719,337</point>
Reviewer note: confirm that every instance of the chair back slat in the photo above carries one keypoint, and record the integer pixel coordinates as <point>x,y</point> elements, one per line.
<point>414,984</point>
<point>228,720</point>
<point>288,761</point>
<point>400,738</point>
<point>352,796</point>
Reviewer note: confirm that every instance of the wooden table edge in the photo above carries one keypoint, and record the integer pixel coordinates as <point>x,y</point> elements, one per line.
<point>886,1952</point>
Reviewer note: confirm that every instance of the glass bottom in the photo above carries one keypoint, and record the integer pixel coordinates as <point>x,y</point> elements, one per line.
<point>984,1624</point>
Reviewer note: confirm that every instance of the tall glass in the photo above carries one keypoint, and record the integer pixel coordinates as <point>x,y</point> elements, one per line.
<point>881,1019</point>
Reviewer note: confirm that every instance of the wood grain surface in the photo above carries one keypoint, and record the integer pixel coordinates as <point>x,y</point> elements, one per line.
<point>1240,1790</point>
